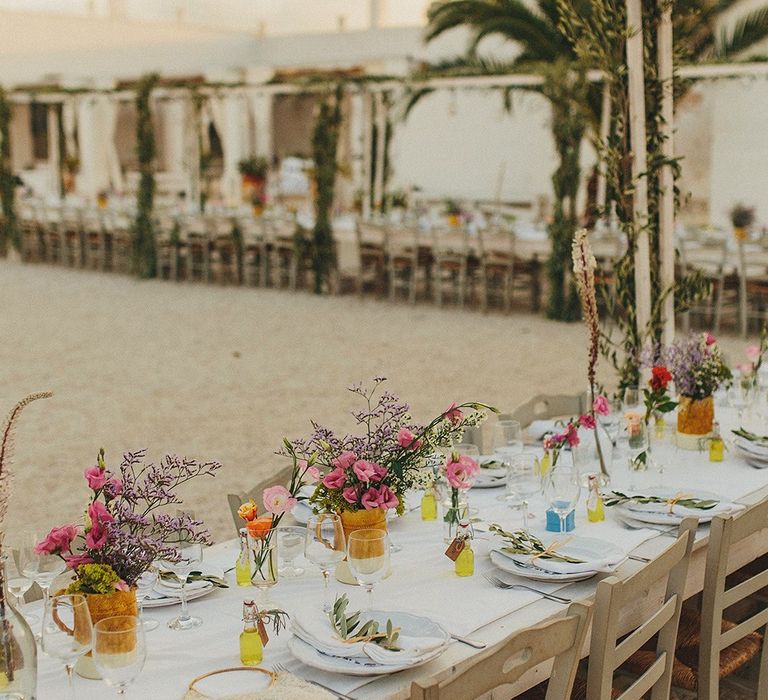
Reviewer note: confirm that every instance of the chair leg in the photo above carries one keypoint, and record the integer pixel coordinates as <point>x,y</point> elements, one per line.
<point>391,277</point>
<point>718,304</point>
<point>437,282</point>
<point>412,279</point>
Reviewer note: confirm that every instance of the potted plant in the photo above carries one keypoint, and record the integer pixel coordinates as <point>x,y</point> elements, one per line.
<point>742,218</point>
<point>257,204</point>
<point>452,211</point>
<point>698,369</point>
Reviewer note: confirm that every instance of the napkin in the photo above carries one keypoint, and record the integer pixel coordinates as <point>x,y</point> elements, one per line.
<point>554,566</point>
<point>721,508</point>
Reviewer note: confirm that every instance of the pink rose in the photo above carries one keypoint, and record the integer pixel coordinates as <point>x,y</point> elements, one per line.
<point>387,498</point>
<point>364,470</point>
<point>345,460</point>
<point>709,339</point>
<point>99,516</point>
<point>453,414</point>
<point>335,479</point>
<point>753,352</point>
<point>370,499</point>
<point>75,560</point>
<point>460,471</point>
<point>406,439</point>
<point>278,499</point>
<point>601,406</point>
<point>587,421</point>
<point>96,477</point>
<point>59,539</point>
<point>349,494</point>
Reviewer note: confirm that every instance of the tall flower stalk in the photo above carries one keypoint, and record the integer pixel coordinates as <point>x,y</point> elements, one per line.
<point>584,265</point>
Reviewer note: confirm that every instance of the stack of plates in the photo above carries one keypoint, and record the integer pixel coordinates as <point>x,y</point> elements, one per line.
<point>662,514</point>
<point>597,556</point>
<point>491,476</point>
<point>315,643</point>
<point>755,453</point>
<point>169,592</point>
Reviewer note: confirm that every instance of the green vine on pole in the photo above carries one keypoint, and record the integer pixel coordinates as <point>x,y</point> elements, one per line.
<point>9,230</point>
<point>325,140</point>
<point>144,252</point>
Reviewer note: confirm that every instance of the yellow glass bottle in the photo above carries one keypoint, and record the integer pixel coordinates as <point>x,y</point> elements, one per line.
<point>251,647</point>
<point>243,563</point>
<point>716,445</point>
<point>595,505</point>
<point>544,463</point>
<point>429,505</point>
<point>465,562</point>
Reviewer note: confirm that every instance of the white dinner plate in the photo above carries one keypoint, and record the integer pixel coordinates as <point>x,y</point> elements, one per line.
<point>533,573</point>
<point>490,478</point>
<point>644,512</point>
<point>167,598</point>
<point>754,458</point>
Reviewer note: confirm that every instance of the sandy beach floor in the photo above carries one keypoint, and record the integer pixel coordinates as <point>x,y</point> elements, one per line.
<point>225,373</point>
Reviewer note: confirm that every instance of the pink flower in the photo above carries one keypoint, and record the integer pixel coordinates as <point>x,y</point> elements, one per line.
<point>349,494</point>
<point>278,499</point>
<point>59,539</point>
<point>753,352</point>
<point>587,421</point>
<point>745,368</point>
<point>710,339</point>
<point>453,414</point>
<point>116,486</point>
<point>387,498</point>
<point>345,460</point>
<point>460,471</point>
<point>99,516</point>
<point>572,435</point>
<point>601,406</point>
<point>122,586</point>
<point>370,499</point>
<point>96,477</point>
<point>379,472</point>
<point>364,470</point>
<point>335,479</point>
<point>405,438</point>
<point>75,560</point>
<point>309,475</point>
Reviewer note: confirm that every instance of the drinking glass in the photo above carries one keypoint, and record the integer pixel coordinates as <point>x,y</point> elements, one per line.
<point>145,584</point>
<point>264,558</point>
<point>40,567</point>
<point>190,555</point>
<point>633,400</point>
<point>368,558</point>
<point>562,490</point>
<point>507,439</point>
<point>324,547</point>
<point>18,585</point>
<point>638,443</point>
<point>739,397</point>
<point>67,631</point>
<point>523,482</point>
<point>291,545</point>
<point>611,423</point>
<point>119,650</point>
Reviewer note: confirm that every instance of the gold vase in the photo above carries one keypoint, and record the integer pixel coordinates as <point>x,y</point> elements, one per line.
<point>695,416</point>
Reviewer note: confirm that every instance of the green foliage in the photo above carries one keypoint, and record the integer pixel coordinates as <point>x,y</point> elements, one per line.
<point>254,166</point>
<point>9,230</point>
<point>94,578</point>
<point>325,139</point>
<point>144,251</point>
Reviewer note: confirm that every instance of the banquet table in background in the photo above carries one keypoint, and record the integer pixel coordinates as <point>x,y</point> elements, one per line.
<point>423,581</point>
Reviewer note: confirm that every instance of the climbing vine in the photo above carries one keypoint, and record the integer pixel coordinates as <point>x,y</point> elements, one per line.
<point>9,232</point>
<point>325,140</point>
<point>144,252</point>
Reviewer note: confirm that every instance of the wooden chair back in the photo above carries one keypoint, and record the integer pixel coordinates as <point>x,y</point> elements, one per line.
<point>235,500</point>
<point>607,652</point>
<point>560,640</point>
<point>726,534</point>
<point>546,406</point>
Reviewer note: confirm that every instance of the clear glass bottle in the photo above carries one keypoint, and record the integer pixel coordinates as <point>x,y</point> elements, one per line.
<point>429,504</point>
<point>465,562</point>
<point>251,647</point>
<point>243,563</point>
<point>595,505</point>
<point>18,651</point>
<point>716,444</point>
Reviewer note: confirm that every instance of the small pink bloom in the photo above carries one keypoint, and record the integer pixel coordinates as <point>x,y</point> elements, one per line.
<point>96,537</point>
<point>572,435</point>
<point>387,498</point>
<point>601,406</point>
<point>753,352</point>
<point>99,516</point>
<point>460,471</point>
<point>453,413</point>
<point>59,539</point>
<point>335,479</point>
<point>345,460</point>
<point>310,475</point>
<point>75,560</point>
<point>278,499</point>
<point>364,470</point>
<point>96,477</point>
<point>122,586</point>
<point>587,421</point>
<point>710,339</point>
<point>745,368</point>
<point>379,472</point>
<point>406,439</point>
<point>370,499</point>
<point>349,494</point>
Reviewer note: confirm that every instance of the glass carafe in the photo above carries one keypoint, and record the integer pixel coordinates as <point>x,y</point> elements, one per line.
<point>18,651</point>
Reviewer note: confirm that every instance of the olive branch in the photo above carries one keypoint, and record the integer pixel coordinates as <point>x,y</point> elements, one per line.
<point>616,498</point>
<point>522,542</point>
<point>351,630</point>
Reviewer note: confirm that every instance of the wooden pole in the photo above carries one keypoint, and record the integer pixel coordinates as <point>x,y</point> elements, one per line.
<point>636,85</point>
<point>605,131</point>
<point>367,145</point>
<point>381,145</point>
<point>667,176</point>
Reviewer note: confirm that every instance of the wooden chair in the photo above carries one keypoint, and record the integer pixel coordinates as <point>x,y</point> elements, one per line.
<point>235,500</point>
<point>281,247</point>
<point>546,406</point>
<point>225,256</point>
<point>254,251</point>
<point>372,256</point>
<point>450,250</point>
<point>167,238</point>
<point>506,662</point>
<point>93,240</point>
<point>497,266</point>
<point>608,651</point>
<point>71,236</point>
<point>403,262</point>
<point>195,254</point>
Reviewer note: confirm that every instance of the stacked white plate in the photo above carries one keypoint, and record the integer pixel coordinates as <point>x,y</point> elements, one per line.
<point>597,556</point>
<point>662,514</point>
<point>169,592</point>
<point>315,643</point>
<point>491,476</point>
<point>755,453</point>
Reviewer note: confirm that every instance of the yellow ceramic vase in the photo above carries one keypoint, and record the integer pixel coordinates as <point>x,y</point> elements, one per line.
<point>352,520</point>
<point>695,416</point>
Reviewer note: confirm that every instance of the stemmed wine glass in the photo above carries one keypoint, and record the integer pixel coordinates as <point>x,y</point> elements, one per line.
<point>18,585</point>
<point>190,555</point>
<point>41,567</point>
<point>324,546</point>
<point>67,631</point>
<point>611,423</point>
<point>524,478</point>
<point>145,584</point>
<point>368,558</point>
<point>562,490</point>
<point>119,650</point>
<point>633,400</point>
<point>291,544</point>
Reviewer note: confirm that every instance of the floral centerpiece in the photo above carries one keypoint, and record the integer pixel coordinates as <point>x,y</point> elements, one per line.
<point>364,476</point>
<point>698,368</point>
<point>750,371</point>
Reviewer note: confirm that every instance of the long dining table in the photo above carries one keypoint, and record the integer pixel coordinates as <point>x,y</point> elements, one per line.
<point>423,581</point>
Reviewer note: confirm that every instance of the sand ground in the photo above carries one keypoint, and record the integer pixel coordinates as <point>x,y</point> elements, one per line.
<point>225,373</point>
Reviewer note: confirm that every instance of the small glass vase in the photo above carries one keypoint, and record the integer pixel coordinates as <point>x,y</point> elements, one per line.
<point>455,509</point>
<point>18,651</point>
<point>264,564</point>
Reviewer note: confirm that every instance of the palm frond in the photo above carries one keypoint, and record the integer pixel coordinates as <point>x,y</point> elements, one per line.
<point>748,31</point>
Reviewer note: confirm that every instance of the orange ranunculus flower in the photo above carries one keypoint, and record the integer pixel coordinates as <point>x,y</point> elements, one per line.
<point>248,511</point>
<point>260,527</point>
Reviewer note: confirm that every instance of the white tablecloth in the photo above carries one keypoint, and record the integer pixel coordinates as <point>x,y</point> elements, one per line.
<point>422,581</point>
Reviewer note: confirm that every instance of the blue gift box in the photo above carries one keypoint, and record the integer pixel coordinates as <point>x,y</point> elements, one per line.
<point>553,521</point>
